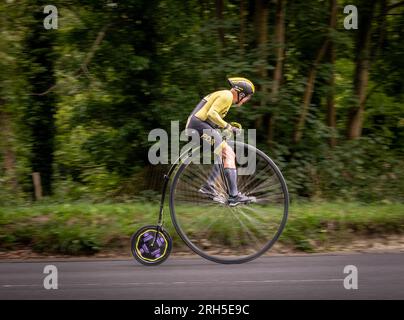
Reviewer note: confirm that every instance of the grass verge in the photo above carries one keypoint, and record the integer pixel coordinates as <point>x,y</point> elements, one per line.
<point>85,229</point>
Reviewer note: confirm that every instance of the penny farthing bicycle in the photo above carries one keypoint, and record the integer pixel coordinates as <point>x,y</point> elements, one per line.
<point>212,228</point>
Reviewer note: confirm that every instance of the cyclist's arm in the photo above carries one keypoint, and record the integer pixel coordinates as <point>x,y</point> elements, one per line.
<point>220,104</point>
<point>214,116</point>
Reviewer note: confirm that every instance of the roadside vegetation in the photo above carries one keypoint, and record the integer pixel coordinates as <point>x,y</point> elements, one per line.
<point>86,229</point>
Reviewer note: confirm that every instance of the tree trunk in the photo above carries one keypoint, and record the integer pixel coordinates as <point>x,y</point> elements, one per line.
<point>261,27</point>
<point>308,92</point>
<point>219,4</point>
<point>39,115</point>
<point>280,44</point>
<point>261,23</point>
<point>36,180</point>
<point>6,143</point>
<point>331,115</point>
<point>381,30</point>
<point>277,75</point>
<point>362,64</point>
<point>243,14</point>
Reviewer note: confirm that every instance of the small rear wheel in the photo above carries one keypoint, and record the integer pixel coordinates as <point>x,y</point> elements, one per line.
<point>151,245</point>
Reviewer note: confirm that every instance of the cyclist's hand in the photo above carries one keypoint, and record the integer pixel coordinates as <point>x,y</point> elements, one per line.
<point>229,131</point>
<point>236,125</point>
<point>236,131</point>
<point>236,128</point>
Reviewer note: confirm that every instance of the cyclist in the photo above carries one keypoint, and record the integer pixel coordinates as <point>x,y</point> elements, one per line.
<point>207,120</point>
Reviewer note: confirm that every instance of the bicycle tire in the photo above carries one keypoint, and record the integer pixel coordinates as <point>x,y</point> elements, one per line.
<point>166,248</point>
<point>226,260</point>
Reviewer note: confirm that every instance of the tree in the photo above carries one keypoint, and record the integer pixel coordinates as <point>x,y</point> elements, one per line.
<point>243,14</point>
<point>279,42</point>
<point>8,79</point>
<point>362,65</point>
<point>6,145</point>
<point>39,71</point>
<point>261,27</point>
<point>309,88</point>
<point>219,5</point>
<point>331,116</point>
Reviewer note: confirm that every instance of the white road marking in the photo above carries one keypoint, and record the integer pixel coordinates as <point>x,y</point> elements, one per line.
<point>174,283</point>
<point>20,285</point>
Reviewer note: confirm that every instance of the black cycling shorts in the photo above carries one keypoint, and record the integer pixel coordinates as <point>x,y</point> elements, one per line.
<point>206,132</point>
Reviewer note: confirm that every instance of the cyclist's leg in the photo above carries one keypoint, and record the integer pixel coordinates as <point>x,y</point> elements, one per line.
<point>209,138</point>
<point>225,155</point>
<point>212,137</point>
<point>230,172</point>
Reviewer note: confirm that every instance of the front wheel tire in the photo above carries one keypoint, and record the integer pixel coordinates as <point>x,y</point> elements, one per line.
<point>221,233</point>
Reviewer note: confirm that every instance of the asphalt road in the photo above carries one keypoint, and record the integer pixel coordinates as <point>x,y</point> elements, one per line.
<point>380,276</point>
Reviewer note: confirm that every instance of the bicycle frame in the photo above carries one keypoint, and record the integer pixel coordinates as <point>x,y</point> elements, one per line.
<point>167,178</point>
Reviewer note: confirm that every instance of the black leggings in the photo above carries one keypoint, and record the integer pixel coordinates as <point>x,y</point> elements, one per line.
<point>204,128</point>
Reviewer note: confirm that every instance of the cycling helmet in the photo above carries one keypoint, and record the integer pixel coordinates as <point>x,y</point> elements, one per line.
<point>243,86</point>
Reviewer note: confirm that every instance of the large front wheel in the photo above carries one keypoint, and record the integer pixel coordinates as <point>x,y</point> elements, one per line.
<point>220,232</point>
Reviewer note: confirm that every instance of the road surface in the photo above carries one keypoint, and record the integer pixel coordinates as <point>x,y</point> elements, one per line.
<point>380,276</point>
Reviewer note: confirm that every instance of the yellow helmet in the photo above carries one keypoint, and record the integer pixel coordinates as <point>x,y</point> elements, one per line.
<point>242,85</point>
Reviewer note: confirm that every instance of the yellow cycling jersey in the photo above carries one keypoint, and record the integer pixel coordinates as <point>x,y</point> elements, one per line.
<point>216,107</point>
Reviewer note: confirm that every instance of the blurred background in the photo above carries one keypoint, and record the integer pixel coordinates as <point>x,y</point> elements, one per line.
<point>77,104</point>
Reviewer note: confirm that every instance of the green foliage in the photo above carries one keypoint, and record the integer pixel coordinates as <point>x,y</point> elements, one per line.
<point>154,62</point>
